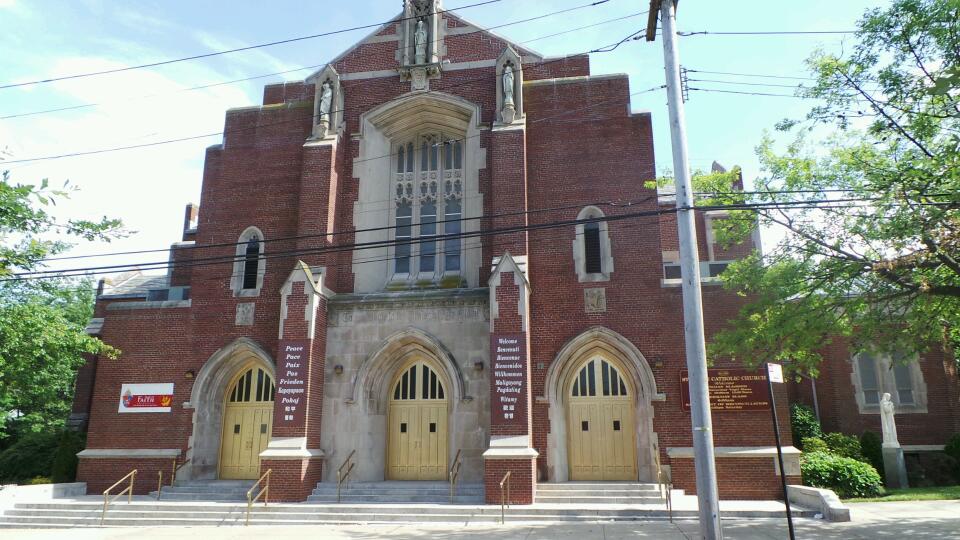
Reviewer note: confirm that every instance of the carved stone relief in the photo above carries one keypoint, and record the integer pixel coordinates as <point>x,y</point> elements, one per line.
<point>595,300</point>
<point>245,313</point>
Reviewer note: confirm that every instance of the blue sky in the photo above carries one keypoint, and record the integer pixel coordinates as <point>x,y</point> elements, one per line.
<point>147,188</point>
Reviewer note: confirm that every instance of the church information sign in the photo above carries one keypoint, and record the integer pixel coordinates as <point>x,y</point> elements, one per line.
<point>146,398</point>
<point>291,395</point>
<point>509,354</point>
<point>731,390</point>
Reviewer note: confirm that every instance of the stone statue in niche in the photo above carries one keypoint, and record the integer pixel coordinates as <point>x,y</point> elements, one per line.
<point>509,111</point>
<point>326,101</point>
<point>420,41</point>
<point>887,422</point>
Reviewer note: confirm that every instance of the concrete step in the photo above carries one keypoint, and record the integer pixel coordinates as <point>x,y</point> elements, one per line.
<point>396,492</point>
<point>213,497</point>
<point>596,486</point>
<point>145,513</point>
<point>570,499</point>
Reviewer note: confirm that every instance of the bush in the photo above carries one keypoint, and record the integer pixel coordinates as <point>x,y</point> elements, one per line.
<point>29,457</point>
<point>952,449</point>
<point>813,444</point>
<point>847,477</point>
<point>844,445</point>
<point>65,460</point>
<point>872,447</point>
<point>804,423</point>
<point>38,480</point>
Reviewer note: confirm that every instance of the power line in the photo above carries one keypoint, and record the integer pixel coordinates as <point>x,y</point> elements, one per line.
<point>769,33</point>
<point>751,75</point>
<point>356,246</point>
<point>607,48</point>
<point>239,49</point>
<point>316,66</point>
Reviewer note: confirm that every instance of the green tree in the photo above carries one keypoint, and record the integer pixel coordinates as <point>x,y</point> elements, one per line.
<point>878,263</point>
<point>42,338</point>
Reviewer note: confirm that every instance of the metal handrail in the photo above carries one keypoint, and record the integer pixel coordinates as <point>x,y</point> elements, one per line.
<point>504,502</point>
<point>664,485</point>
<point>132,475</point>
<point>159,482</point>
<point>341,475</point>
<point>265,492</point>
<point>454,474</point>
<point>176,468</point>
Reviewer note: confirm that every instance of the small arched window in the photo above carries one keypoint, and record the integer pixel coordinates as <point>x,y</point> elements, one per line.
<point>592,254</point>
<point>249,264</point>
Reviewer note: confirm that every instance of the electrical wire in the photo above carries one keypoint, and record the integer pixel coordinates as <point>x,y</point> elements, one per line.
<point>806,204</point>
<point>238,49</point>
<point>607,48</point>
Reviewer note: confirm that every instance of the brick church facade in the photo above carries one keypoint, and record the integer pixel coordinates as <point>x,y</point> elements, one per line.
<point>376,276</point>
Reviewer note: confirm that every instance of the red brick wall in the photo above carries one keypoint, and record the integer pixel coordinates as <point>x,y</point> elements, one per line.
<point>737,478</point>
<point>522,480</point>
<point>838,406</point>
<point>292,480</point>
<point>99,474</point>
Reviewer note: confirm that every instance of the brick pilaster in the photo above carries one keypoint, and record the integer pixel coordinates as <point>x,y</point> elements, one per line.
<point>294,455</point>
<point>511,423</point>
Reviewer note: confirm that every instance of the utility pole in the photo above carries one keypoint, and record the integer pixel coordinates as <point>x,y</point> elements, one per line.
<point>702,425</point>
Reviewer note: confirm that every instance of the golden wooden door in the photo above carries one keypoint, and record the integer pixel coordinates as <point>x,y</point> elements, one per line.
<point>247,423</point>
<point>601,428</point>
<point>417,425</point>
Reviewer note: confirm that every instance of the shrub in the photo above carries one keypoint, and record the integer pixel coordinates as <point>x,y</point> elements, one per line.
<point>804,423</point>
<point>29,457</point>
<point>814,444</point>
<point>847,477</point>
<point>65,460</point>
<point>872,447</point>
<point>38,480</point>
<point>952,449</point>
<point>844,445</point>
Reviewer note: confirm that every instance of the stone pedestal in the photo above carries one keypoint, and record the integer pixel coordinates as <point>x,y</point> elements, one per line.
<point>894,467</point>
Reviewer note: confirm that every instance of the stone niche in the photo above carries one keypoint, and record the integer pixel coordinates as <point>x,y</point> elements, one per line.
<point>371,336</point>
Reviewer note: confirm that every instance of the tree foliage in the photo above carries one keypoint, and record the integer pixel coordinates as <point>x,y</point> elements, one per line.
<point>879,261</point>
<point>42,337</point>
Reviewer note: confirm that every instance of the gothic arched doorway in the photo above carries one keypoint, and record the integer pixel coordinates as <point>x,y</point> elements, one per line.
<point>601,422</point>
<point>247,422</point>
<point>417,423</point>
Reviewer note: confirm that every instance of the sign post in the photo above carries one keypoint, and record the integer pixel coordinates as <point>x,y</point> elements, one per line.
<point>775,375</point>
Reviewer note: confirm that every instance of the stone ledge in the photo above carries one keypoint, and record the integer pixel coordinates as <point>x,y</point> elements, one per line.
<point>923,447</point>
<point>290,448</point>
<point>510,447</point>
<point>824,501</point>
<point>684,452</point>
<point>166,304</point>
<point>125,453</point>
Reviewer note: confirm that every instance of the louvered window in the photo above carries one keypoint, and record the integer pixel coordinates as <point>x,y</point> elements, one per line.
<point>251,263</point>
<point>591,244</point>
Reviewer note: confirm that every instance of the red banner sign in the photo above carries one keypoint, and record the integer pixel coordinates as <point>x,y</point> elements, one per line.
<point>153,400</point>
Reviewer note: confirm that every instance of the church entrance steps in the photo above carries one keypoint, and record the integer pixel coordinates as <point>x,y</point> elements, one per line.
<point>397,492</point>
<point>600,493</point>
<point>143,512</point>
<point>206,490</point>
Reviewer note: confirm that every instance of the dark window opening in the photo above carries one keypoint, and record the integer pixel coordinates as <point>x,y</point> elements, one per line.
<point>591,245</point>
<point>671,271</point>
<point>251,264</point>
<point>263,428</point>
<point>236,428</point>
<point>616,425</point>
<point>433,427</point>
<point>584,426</point>
<point>403,427</point>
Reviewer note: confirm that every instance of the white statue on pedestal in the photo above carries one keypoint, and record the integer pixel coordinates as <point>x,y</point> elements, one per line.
<point>326,100</point>
<point>420,40</point>
<point>887,422</point>
<point>509,108</point>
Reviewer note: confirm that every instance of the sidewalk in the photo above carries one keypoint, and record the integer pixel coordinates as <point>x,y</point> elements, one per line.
<point>902,521</point>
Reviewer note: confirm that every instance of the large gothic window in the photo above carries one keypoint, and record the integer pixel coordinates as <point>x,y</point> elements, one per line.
<point>428,199</point>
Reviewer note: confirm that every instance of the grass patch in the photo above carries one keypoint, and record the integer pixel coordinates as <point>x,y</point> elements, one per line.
<point>914,494</point>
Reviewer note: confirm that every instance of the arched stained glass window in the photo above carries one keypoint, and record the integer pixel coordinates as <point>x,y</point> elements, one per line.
<point>255,385</point>
<point>418,381</point>
<point>611,382</point>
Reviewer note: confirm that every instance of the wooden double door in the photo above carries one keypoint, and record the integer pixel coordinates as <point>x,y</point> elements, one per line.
<point>247,424</point>
<point>601,426</point>
<point>417,425</point>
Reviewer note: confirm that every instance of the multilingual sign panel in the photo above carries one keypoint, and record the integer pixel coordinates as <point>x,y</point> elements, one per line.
<point>731,390</point>
<point>291,397</point>
<point>509,354</point>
